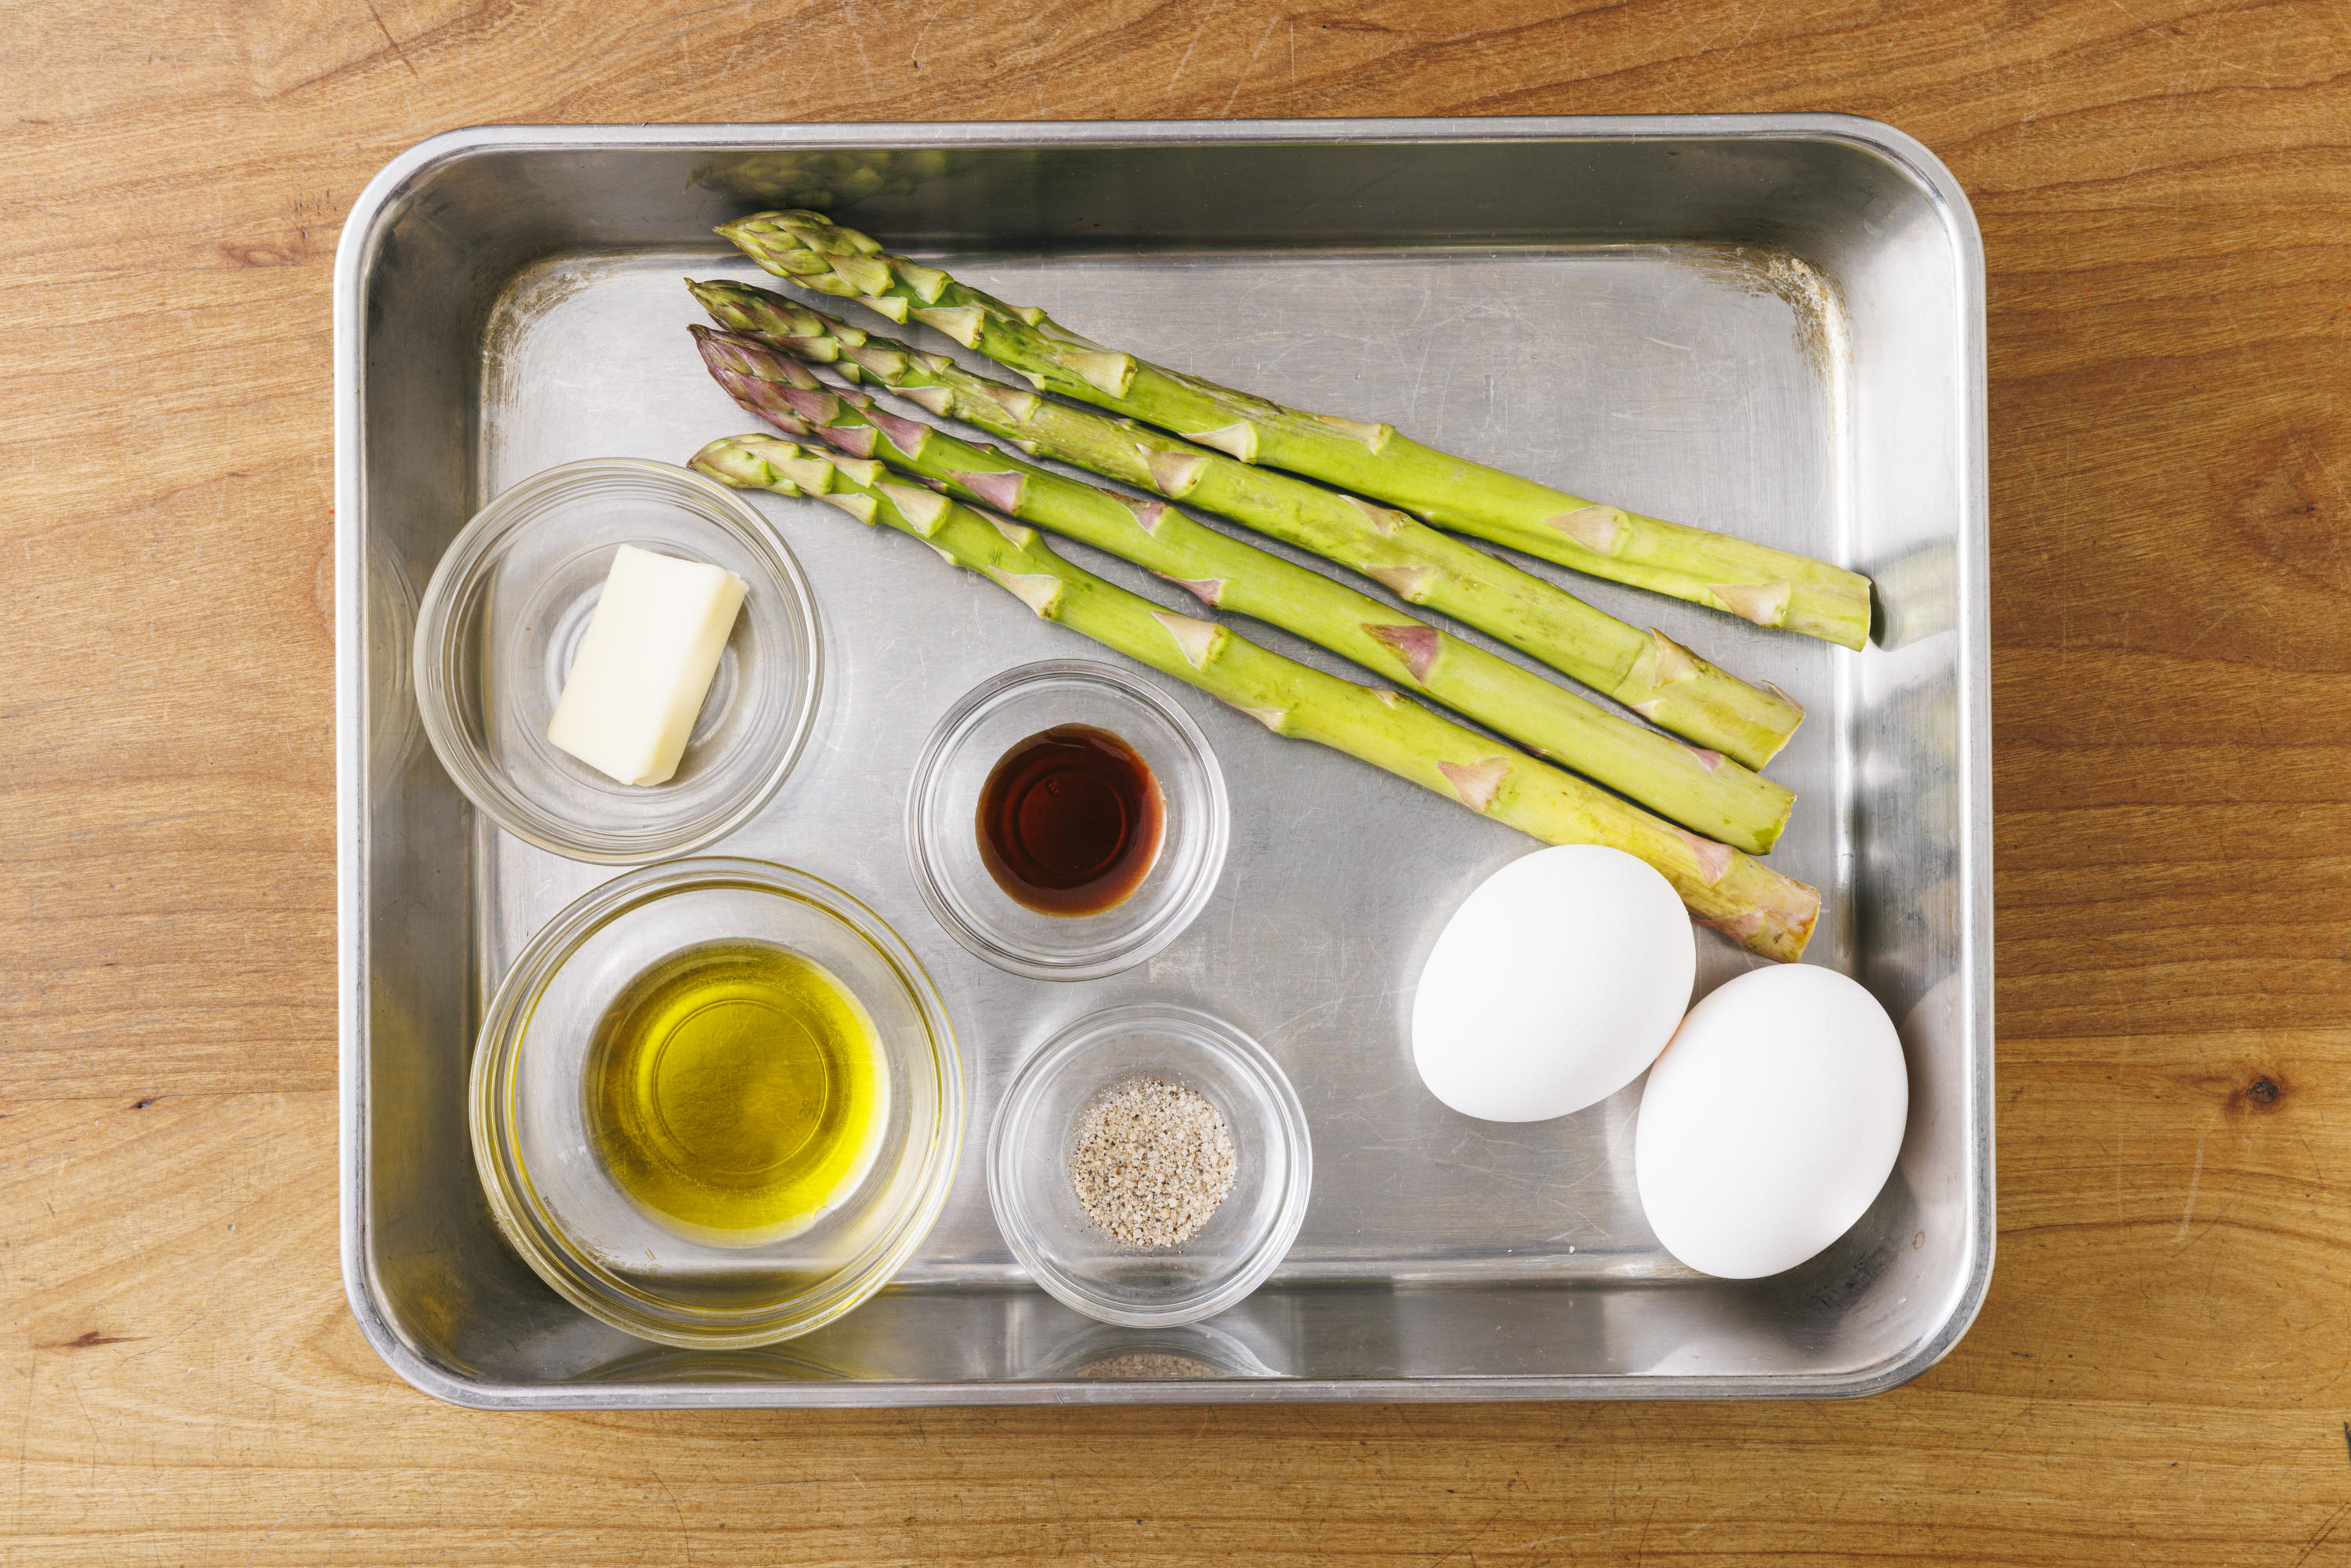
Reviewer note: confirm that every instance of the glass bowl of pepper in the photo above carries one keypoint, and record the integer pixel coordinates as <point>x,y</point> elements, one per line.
<point>1150,1165</point>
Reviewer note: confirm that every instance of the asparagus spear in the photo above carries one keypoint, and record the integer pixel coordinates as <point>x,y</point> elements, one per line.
<point>1764,911</point>
<point>1769,587</point>
<point>1702,790</point>
<point>1648,672</point>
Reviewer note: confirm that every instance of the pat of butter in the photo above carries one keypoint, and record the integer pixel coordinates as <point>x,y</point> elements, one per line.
<point>644,664</point>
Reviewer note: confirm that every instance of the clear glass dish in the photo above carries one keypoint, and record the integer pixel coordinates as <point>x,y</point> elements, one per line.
<point>1167,1352</point>
<point>504,615</point>
<point>1079,1263</point>
<point>942,819</point>
<point>561,1210</point>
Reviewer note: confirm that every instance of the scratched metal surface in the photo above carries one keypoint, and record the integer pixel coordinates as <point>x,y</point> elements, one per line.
<point>1715,378</point>
<point>1339,876</point>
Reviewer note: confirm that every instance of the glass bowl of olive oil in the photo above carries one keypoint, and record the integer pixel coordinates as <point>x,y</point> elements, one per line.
<point>717,1103</point>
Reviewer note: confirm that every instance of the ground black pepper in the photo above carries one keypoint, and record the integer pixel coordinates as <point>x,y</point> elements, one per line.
<point>1151,1162</point>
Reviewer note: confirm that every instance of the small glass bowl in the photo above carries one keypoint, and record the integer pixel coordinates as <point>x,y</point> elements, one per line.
<point>503,617</point>
<point>1079,1263</point>
<point>1170,1352</point>
<point>943,821</point>
<point>561,1210</point>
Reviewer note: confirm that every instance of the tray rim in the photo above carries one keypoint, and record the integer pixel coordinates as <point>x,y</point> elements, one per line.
<point>383,199</point>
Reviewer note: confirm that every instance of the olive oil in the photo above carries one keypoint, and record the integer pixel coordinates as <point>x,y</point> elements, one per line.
<point>737,1090</point>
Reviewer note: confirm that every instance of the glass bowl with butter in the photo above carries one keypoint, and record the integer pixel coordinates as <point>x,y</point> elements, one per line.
<point>584,600</point>
<point>715,1103</point>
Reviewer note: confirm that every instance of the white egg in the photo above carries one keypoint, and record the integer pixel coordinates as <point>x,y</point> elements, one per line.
<point>1553,985</point>
<point>1771,1122</point>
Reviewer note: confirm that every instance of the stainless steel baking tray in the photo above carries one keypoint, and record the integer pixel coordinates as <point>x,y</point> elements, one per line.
<point>1772,325</point>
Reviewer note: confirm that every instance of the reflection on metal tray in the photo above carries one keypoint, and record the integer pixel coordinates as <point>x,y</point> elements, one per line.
<point>1771,325</point>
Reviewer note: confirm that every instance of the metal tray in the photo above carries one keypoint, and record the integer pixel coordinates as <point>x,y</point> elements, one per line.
<point>1770,324</point>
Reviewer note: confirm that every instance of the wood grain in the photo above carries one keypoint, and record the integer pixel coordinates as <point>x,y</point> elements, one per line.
<point>2160,1374</point>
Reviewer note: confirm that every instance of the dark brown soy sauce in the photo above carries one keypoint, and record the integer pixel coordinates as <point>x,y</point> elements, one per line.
<point>1069,820</point>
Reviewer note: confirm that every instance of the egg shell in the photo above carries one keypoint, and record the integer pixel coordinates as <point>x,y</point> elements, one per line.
<point>1771,1122</point>
<point>1553,985</point>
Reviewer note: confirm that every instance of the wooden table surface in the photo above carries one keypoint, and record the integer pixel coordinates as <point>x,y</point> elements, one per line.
<point>2164,187</point>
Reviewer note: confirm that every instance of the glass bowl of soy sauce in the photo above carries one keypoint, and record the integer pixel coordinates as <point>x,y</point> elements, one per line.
<point>1067,820</point>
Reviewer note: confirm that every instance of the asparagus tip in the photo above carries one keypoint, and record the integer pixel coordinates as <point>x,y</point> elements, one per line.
<point>812,404</point>
<point>738,461</point>
<point>961,322</point>
<point>862,507</point>
<point>928,282</point>
<point>857,440</point>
